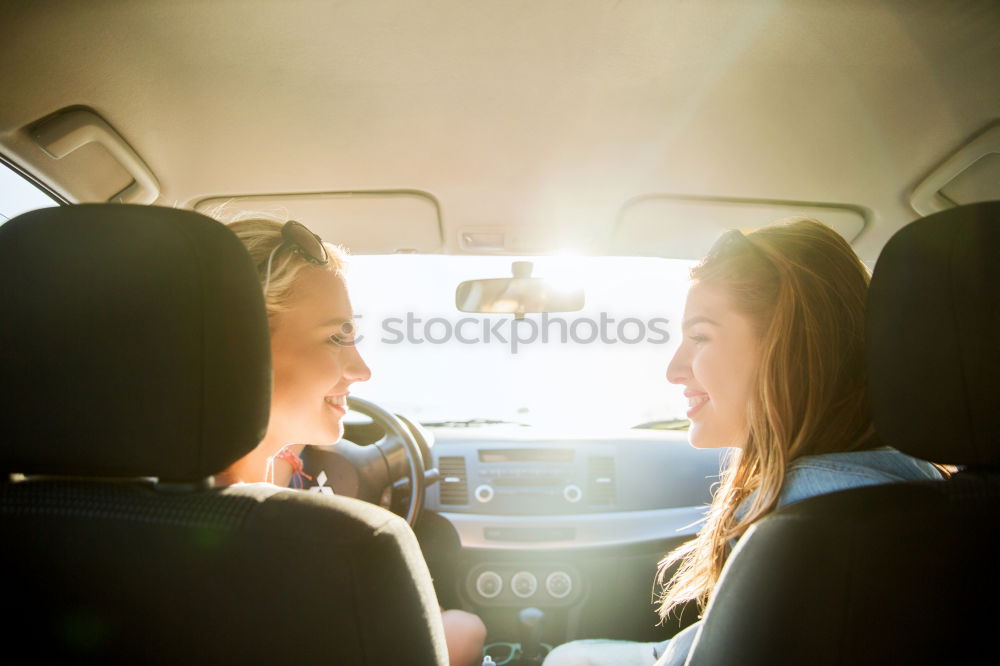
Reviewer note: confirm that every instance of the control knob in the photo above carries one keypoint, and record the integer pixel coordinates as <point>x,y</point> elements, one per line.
<point>484,493</point>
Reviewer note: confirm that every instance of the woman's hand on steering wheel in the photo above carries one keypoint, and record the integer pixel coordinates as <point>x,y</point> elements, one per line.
<point>364,472</point>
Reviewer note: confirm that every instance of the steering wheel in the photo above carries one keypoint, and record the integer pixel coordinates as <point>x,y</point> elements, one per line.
<point>364,472</point>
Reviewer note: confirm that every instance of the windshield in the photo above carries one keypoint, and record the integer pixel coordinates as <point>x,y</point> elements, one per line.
<point>600,367</point>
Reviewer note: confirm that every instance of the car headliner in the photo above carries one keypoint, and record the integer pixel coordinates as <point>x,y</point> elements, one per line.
<point>516,113</point>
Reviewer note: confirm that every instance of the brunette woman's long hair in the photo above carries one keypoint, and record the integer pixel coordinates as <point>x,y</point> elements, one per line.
<point>803,288</point>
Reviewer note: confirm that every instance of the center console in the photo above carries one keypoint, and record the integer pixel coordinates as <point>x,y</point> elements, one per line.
<point>571,527</point>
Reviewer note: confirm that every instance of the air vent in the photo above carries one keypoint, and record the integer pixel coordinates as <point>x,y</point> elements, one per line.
<point>454,483</point>
<point>601,480</point>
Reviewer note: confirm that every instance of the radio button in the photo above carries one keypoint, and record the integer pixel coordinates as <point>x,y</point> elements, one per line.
<point>489,584</point>
<point>524,584</point>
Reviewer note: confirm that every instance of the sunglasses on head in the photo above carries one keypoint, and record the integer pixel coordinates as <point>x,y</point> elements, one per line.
<point>734,238</point>
<point>296,236</point>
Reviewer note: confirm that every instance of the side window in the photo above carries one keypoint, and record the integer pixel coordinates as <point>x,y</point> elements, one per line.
<point>19,195</point>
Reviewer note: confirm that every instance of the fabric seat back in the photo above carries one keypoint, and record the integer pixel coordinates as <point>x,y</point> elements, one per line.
<point>134,364</point>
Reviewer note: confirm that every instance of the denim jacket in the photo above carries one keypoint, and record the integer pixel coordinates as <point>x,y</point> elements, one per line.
<point>817,475</point>
<point>809,476</point>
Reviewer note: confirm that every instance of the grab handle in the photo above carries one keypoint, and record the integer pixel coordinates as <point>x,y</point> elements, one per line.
<point>927,197</point>
<point>66,132</point>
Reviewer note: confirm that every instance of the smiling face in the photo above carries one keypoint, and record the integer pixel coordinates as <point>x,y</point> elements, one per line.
<point>716,363</point>
<point>314,361</point>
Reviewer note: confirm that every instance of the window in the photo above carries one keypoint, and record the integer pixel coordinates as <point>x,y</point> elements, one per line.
<point>600,367</point>
<point>19,195</point>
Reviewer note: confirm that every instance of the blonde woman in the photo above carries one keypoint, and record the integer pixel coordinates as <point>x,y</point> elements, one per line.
<point>772,364</point>
<point>314,364</point>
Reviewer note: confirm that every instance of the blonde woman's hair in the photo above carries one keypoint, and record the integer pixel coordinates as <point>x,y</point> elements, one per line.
<point>260,236</point>
<point>804,289</point>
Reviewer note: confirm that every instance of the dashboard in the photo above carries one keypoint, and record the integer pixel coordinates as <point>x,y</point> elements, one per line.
<point>571,526</point>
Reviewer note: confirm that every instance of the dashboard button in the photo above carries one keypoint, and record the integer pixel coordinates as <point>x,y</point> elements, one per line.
<point>523,584</point>
<point>489,584</point>
<point>572,493</point>
<point>559,584</point>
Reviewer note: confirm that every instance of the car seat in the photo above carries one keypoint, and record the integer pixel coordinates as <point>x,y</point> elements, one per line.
<point>135,364</point>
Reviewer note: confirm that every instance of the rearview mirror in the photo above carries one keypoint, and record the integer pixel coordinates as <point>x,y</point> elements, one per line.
<point>517,295</point>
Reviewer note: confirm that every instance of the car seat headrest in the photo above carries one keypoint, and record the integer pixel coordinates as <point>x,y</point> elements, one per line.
<point>933,329</point>
<point>134,343</point>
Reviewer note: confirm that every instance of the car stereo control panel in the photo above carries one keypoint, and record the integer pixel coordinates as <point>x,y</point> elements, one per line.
<point>559,477</point>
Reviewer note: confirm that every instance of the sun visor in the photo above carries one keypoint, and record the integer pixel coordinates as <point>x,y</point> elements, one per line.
<point>374,222</point>
<point>682,227</point>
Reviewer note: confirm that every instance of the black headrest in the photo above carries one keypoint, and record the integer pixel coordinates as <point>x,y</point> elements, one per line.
<point>933,327</point>
<point>134,343</point>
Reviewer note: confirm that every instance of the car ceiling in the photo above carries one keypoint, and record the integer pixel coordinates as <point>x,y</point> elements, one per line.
<point>540,114</point>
